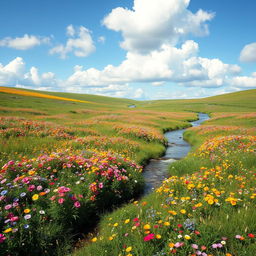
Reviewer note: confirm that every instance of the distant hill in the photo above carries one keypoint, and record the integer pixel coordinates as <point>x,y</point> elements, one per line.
<point>56,102</point>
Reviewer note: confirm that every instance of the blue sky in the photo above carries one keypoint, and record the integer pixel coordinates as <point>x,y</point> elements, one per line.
<point>141,49</point>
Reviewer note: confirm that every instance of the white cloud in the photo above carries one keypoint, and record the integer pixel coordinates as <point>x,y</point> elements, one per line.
<point>180,65</point>
<point>24,43</point>
<point>243,82</point>
<point>150,23</point>
<point>139,93</point>
<point>248,53</point>
<point>70,30</point>
<point>79,42</point>
<point>158,83</point>
<point>102,39</point>
<point>12,71</point>
<point>15,73</point>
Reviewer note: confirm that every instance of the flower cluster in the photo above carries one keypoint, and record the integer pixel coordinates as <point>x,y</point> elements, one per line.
<point>53,188</point>
<point>146,133</point>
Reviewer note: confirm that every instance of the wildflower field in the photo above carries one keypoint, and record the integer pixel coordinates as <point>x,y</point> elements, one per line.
<point>67,165</point>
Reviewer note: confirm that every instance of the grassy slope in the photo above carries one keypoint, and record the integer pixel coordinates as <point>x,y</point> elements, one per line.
<point>232,102</point>
<point>62,112</point>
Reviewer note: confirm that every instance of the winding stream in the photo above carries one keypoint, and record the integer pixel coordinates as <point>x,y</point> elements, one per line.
<point>157,169</point>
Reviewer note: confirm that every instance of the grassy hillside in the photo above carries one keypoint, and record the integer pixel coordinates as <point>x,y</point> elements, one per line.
<point>232,102</point>
<point>69,158</point>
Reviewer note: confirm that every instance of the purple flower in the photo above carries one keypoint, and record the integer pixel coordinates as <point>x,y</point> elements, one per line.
<point>27,216</point>
<point>4,192</point>
<point>214,246</point>
<point>22,194</point>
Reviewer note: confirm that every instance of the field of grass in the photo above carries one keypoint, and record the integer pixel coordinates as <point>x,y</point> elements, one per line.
<point>69,158</point>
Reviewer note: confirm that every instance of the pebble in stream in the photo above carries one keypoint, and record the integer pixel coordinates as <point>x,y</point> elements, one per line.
<point>157,169</point>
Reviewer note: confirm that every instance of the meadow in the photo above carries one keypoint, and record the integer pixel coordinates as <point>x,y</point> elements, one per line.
<point>69,160</point>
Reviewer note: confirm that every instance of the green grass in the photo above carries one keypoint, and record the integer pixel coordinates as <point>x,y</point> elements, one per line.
<point>232,114</point>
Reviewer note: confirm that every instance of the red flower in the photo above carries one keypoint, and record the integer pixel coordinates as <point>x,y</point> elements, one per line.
<point>149,237</point>
<point>251,235</point>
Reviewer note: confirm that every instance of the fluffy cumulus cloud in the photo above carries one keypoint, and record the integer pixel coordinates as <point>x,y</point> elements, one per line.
<point>24,43</point>
<point>248,53</point>
<point>181,65</point>
<point>15,73</point>
<point>155,36</point>
<point>150,23</point>
<point>243,81</point>
<point>79,42</point>
<point>151,32</point>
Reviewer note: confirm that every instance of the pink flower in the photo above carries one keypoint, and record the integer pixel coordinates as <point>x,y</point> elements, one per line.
<point>39,188</point>
<point>214,246</point>
<point>3,181</point>
<point>13,219</point>
<point>77,204</point>
<point>2,238</point>
<point>194,246</point>
<point>25,180</point>
<point>149,237</point>
<point>101,185</point>
<point>31,188</point>
<point>61,200</point>
<point>63,189</point>
<point>52,198</point>
<point>203,247</point>
<point>178,244</point>
<point>8,207</point>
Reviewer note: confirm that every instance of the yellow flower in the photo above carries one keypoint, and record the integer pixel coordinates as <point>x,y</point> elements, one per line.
<point>187,237</point>
<point>147,226</point>
<point>110,238</point>
<point>31,173</point>
<point>128,249</point>
<point>210,201</point>
<point>35,197</point>
<point>127,221</point>
<point>167,223</point>
<point>8,230</point>
<point>116,224</point>
<point>183,211</point>
<point>171,245</point>
<point>158,236</point>
<point>27,211</point>
<point>129,254</point>
<point>94,239</point>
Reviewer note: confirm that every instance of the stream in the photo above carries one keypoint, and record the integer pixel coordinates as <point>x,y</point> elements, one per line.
<point>157,169</point>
